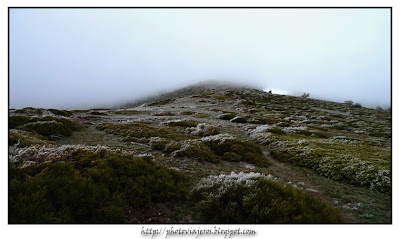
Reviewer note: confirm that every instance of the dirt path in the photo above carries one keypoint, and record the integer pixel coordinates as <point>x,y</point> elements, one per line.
<point>302,181</point>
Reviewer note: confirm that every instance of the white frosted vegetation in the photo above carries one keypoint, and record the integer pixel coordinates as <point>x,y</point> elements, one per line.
<point>216,185</point>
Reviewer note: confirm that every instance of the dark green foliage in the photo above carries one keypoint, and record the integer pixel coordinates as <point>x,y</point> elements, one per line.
<point>188,113</point>
<point>48,126</point>
<point>236,150</point>
<point>142,132</point>
<point>127,112</point>
<point>29,110</point>
<point>97,113</point>
<point>16,120</point>
<point>283,124</point>
<point>276,131</point>
<point>90,189</point>
<point>61,112</point>
<point>183,123</point>
<point>265,201</point>
<point>227,116</point>
<point>315,134</point>
<point>198,151</point>
<point>26,138</point>
<point>239,120</point>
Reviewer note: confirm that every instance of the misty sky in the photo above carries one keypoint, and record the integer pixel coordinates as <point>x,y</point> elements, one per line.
<point>83,58</point>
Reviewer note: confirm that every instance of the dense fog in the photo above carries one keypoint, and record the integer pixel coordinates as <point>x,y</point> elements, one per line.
<point>84,58</point>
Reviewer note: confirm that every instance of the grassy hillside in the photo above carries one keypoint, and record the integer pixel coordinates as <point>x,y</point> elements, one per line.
<point>203,154</point>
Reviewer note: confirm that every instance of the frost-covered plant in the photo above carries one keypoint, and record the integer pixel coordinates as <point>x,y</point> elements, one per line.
<point>220,138</point>
<point>216,185</point>
<point>42,154</point>
<point>203,129</point>
<point>257,198</point>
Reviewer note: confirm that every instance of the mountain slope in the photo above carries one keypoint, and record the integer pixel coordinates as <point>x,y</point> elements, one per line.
<point>336,152</point>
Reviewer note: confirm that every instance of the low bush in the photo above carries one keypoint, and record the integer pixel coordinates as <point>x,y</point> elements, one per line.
<point>65,113</point>
<point>45,126</point>
<point>196,150</point>
<point>339,159</point>
<point>30,111</point>
<point>256,198</point>
<point>84,184</point>
<point>188,113</point>
<point>276,131</point>
<point>24,138</point>
<point>239,119</point>
<point>127,112</point>
<point>202,115</point>
<point>97,113</point>
<point>203,130</point>
<point>15,120</point>
<point>183,123</point>
<point>227,116</point>
<point>236,150</point>
<point>142,132</point>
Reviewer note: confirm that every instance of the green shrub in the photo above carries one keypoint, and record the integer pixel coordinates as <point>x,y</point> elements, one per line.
<point>261,201</point>
<point>238,119</point>
<point>188,113</point>
<point>16,120</point>
<point>142,132</point>
<point>198,151</point>
<point>61,112</point>
<point>89,186</point>
<point>47,128</point>
<point>202,115</point>
<point>29,110</point>
<point>227,116</point>
<point>183,123</point>
<point>236,150</point>
<point>276,131</point>
<point>26,138</point>
<point>127,112</point>
<point>97,113</point>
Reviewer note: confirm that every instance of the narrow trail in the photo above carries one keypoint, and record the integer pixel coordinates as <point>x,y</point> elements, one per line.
<point>285,172</point>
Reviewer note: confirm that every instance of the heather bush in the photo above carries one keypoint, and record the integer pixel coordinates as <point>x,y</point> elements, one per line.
<point>45,126</point>
<point>227,116</point>
<point>236,150</point>
<point>97,113</point>
<point>256,198</point>
<point>183,123</point>
<point>15,120</point>
<point>82,184</point>
<point>65,113</point>
<point>24,138</point>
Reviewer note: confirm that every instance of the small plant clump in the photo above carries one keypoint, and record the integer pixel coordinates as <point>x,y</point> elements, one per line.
<point>183,123</point>
<point>45,126</point>
<point>203,130</point>
<point>97,113</point>
<point>65,113</point>
<point>256,198</point>
<point>24,138</point>
<point>227,116</point>
<point>230,149</point>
